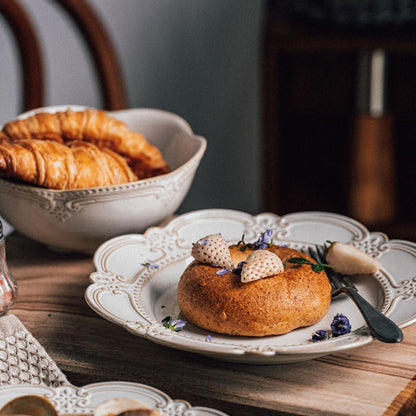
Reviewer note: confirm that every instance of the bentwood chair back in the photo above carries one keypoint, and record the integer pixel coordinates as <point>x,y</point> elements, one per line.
<point>93,32</point>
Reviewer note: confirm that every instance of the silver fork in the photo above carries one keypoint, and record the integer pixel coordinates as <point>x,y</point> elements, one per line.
<point>381,327</point>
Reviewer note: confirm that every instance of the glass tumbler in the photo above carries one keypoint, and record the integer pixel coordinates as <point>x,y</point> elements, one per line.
<point>8,285</point>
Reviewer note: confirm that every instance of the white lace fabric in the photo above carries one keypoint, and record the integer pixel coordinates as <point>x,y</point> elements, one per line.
<point>23,359</point>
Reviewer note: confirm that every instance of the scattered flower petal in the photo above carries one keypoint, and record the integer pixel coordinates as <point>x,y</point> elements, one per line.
<point>208,338</point>
<point>320,335</point>
<point>172,324</point>
<point>222,272</point>
<point>239,267</point>
<point>340,325</point>
<point>150,265</point>
<point>265,240</point>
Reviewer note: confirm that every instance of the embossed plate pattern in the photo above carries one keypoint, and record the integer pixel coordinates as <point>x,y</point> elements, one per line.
<point>126,292</point>
<point>83,400</point>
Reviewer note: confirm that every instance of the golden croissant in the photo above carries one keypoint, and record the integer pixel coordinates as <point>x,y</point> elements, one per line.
<point>94,126</point>
<point>54,165</point>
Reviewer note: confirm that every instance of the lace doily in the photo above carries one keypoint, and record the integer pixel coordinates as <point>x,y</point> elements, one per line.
<point>23,359</point>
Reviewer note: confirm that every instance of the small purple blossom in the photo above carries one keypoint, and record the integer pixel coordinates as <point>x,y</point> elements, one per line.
<point>340,325</point>
<point>173,324</point>
<point>320,335</point>
<point>208,338</point>
<point>265,240</point>
<point>150,265</point>
<point>178,325</point>
<point>203,241</point>
<point>222,272</point>
<point>239,267</point>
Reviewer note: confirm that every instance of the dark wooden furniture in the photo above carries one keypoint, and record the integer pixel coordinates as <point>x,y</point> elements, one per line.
<point>311,123</point>
<point>93,32</point>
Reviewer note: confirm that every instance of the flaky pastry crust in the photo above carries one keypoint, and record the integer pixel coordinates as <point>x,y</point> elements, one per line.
<point>53,165</point>
<point>93,126</point>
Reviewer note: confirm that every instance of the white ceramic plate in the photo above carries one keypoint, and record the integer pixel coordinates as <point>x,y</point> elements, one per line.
<point>83,400</point>
<point>129,294</point>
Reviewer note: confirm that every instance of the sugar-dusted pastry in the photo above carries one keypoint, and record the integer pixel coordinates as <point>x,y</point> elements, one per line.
<point>54,165</point>
<point>94,126</point>
<point>265,294</point>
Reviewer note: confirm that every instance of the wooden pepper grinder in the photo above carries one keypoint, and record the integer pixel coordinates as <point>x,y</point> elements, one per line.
<point>372,185</point>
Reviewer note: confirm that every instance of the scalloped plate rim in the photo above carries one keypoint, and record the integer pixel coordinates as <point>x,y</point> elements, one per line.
<point>233,353</point>
<point>18,390</point>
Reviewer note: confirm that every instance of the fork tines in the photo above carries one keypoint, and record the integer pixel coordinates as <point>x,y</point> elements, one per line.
<point>337,281</point>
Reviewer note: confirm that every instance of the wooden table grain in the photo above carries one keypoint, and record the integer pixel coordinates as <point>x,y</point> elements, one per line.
<point>374,380</point>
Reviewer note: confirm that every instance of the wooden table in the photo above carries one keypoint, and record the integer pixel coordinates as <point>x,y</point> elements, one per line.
<point>377,379</point>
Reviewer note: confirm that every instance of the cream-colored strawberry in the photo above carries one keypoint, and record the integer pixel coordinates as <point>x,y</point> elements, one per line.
<point>348,259</point>
<point>213,250</point>
<point>260,264</point>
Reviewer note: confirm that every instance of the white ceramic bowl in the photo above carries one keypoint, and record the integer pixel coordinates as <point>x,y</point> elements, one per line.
<point>80,220</point>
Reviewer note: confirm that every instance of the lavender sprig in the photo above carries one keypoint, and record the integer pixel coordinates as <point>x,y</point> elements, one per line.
<point>239,267</point>
<point>150,265</point>
<point>320,335</point>
<point>340,325</point>
<point>172,324</point>
<point>265,240</point>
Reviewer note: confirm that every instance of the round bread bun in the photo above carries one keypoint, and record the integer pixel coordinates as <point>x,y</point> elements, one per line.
<point>274,305</point>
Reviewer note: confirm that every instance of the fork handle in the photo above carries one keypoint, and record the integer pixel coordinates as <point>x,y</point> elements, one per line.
<point>381,327</point>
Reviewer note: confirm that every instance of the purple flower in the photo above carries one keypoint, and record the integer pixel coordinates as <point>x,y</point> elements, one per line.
<point>208,338</point>
<point>239,267</point>
<point>178,325</point>
<point>340,325</point>
<point>172,324</point>
<point>150,265</point>
<point>265,240</point>
<point>320,335</point>
<point>222,272</point>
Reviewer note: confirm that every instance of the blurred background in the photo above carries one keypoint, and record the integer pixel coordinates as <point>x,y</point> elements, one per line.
<point>306,105</point>
<point>198,59</point>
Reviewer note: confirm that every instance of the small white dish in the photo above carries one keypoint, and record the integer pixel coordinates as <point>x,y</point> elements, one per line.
<point>82,219</point>
<point>129,294</point>
<point>83,400</point>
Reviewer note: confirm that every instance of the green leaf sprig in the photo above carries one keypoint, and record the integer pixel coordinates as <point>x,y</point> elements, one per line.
<point>316,267</point>
<point>244,245</point>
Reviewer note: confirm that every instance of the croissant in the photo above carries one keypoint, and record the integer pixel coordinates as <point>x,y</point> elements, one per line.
<point>94,126</point>
<point>54,165</point>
